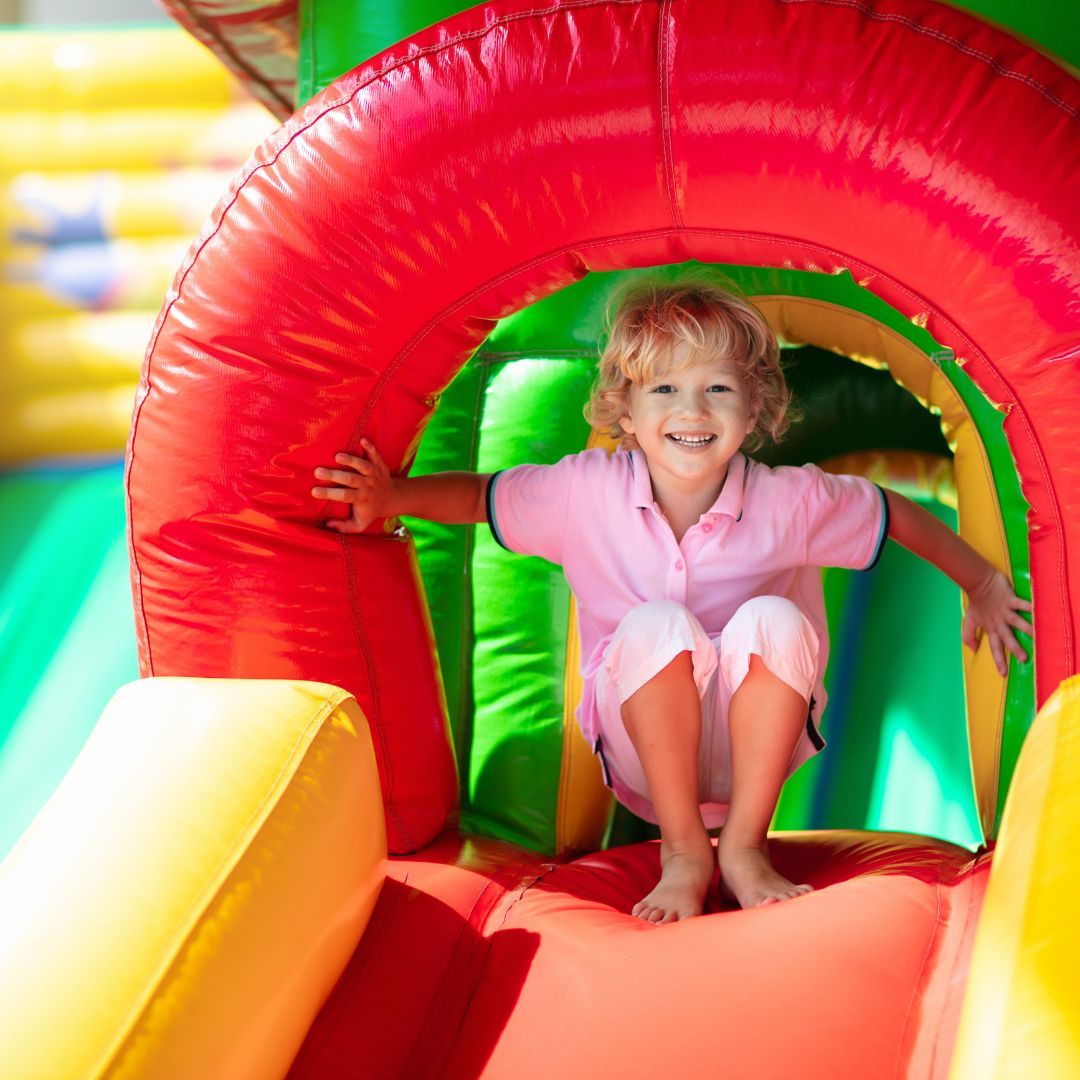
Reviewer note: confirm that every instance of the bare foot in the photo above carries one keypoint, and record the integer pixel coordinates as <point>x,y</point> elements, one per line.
<point>750,878</point>
<point>686,871</point>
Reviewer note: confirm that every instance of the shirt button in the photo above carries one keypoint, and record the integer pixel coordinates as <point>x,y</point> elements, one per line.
<point>678,565</point>
<point>706,527</point>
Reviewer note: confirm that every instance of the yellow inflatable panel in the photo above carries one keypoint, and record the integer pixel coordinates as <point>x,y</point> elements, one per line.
<point>93,422</point>
<point>585,804</point>
<point>85,351</point>
<point>800,320</point>
<point>1021,1015</point>
<point>187,899</point>
<point>129,138</point>
<point>108,69</point>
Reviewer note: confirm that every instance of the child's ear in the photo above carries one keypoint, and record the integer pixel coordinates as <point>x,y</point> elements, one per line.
<point>626,424</point>
<point>752,416</point>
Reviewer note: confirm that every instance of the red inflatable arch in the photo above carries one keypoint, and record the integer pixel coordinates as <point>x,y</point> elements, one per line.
<point>373,242</point>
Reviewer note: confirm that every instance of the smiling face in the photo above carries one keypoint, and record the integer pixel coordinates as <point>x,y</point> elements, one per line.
<point>690,421</point>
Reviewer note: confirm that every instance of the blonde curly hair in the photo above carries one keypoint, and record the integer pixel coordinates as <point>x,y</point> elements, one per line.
<point>648,319</point>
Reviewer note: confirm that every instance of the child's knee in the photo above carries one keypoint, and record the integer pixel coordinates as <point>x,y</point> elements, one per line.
<point>775,629</point>
<point>656,620</point>
<point>649,638</point>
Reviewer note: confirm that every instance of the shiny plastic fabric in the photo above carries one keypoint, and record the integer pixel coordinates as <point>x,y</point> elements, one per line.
<point>169,914</point>
<point>1020,1012</point>
<point>375,239</point>
<point>521,968</point>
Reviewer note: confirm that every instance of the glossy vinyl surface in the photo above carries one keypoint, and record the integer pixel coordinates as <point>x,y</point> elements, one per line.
<point>163,889</point>
<point>480,166</point>
<point>520,967</point>
<point>325,39</point>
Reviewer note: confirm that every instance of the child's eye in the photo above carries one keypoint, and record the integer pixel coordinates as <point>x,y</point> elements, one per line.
<point>663,388</point>
<point>720,386</point>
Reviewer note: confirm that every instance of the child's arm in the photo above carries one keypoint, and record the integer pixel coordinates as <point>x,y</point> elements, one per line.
<point>366,483</point>
<point>992,604</point>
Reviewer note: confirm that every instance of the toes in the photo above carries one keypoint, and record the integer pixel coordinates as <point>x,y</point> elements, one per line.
<point>658,916</point>
<point>647,912</point>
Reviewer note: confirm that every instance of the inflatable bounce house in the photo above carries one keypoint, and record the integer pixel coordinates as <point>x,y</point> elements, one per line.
<point>106,174</point>
<point>345,825</point>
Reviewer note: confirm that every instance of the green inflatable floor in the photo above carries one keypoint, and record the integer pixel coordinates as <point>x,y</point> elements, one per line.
<point>67,638</point>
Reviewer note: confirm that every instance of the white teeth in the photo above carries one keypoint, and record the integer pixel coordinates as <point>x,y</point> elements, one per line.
<point>692,440</point>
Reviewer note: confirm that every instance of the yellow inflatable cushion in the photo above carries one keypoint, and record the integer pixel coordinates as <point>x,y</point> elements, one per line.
<point>1021,1014</point>
<point>187,899</point>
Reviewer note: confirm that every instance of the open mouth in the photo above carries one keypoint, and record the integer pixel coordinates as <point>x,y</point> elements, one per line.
<point>692,440</point>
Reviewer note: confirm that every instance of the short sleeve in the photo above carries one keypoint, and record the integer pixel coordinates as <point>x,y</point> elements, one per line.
<point>528,507</point>
<point>847,520</point>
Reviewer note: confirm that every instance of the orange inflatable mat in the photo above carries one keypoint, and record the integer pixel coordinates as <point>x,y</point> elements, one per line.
<point>481,959</point>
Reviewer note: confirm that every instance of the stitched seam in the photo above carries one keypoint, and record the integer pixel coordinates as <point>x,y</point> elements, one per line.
<point>1062,570</point>
<point>468,585</point>
<point>137,598</point>
<point>959,46</point>
<point>1006,391</point>
<point>489,358</point>
<point>931,939</point>
<point>663,23</point>
<point>391,368</point>
<point>375,723</point>
<point>565,5</point>
<point>390,66</point>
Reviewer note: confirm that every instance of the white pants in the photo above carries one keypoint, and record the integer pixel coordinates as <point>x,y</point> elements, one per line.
<point>650,637</point>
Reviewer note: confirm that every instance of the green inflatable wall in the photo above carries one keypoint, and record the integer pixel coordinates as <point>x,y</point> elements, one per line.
<point>898,746</point>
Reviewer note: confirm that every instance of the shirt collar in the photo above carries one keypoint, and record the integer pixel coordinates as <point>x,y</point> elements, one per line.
<point>729,501</point>
<point>640,484</point>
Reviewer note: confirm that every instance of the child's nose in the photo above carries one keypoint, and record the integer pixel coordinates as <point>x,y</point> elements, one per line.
<point>694,405</point>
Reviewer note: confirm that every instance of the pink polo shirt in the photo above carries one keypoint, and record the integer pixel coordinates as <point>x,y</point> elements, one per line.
<point>767,534</point>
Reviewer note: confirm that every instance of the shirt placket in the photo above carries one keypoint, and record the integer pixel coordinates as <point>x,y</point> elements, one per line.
<point>675,575</point>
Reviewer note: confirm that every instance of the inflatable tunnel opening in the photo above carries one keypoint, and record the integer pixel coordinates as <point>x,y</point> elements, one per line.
<point>368,320</point>
<point>896,722</point>
<point>889,185</point>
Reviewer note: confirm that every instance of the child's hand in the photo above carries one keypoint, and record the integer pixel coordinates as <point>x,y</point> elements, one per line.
<point>365,483</point>
<point>992,607</point>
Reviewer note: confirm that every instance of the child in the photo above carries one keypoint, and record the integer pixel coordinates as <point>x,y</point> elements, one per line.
<point>702,621</point>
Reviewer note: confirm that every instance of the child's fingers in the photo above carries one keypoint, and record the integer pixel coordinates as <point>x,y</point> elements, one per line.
<point>1017,650</point>
<point>357,464</point>
<point>998,653</point>
<point>1019,622</point>
<point>340,476</point>
<point>372,453</point>
<point>334,494</point>
<point>1011,643</point>
<point>344,525</point>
